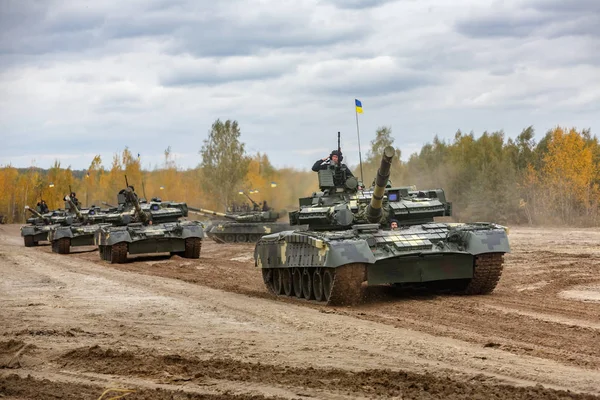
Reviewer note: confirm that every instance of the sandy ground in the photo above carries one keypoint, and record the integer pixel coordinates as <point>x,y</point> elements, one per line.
<point>74,326</point>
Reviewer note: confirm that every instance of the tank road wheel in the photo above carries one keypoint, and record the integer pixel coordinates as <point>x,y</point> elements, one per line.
<point>118,253</point>
<point>240,238</point>
<point>297,282</point>
<point>307,287</point>
<point>486,273</point>
<point>346,288</point>
<point>63,245</point>
<point>192,247</point>
<point>254,238</point>
<point>286,281</point>
<point>229,238</point>
<point>317,281</point>
<point>327,276</point>
<point>277,284</point>
<point>267,274</point>
<point>28,241</point>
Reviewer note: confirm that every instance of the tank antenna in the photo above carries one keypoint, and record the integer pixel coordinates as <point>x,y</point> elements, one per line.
<point>144,190</point>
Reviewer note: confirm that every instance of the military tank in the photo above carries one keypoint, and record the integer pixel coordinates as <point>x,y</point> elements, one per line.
<point>153,227</point>
<point>241,227</point>
<point>39,225</point>
<point>349,242</point>
<point>76,229</point>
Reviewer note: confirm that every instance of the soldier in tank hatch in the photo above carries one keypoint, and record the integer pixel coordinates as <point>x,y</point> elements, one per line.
<point>74,198</point>
<point>265,207</point>
<point>43,207</point>
<point>335,159</point>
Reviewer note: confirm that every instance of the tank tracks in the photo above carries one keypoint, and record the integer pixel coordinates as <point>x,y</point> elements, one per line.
<point>117,253</point>
<point>192,248</point>
<point>29,241</point>
<point>342,285</point>
<point>62,245</point>
<point>329,286</point>
<point>486,274</point>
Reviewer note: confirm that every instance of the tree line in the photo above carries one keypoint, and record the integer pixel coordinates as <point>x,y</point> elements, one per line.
<point>555,181</point>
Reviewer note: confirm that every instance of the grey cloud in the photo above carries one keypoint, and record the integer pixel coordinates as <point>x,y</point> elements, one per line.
<point>120,103</point>
<point>359,4</point>
<point>512,25</point>
<point>224,38</point>
<point>439,56</point>
<point>549,19</point>
<point>376,85</point>
<point>214,75</point>
<point>201,31</point>
<point>561,6</point>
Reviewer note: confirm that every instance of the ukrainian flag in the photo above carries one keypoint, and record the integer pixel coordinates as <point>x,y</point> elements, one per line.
<point>358,106</point>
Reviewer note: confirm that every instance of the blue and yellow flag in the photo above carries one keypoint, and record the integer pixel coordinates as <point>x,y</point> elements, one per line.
<point>358,106</point>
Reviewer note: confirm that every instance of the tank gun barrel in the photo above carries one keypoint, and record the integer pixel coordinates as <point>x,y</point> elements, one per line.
<point>204,211</point>
<point>37,214</point>
<point>74,208</point>
<point>141,214</point>
<point>374,210</point>
<point>255,204</point>
<point>108,204</point>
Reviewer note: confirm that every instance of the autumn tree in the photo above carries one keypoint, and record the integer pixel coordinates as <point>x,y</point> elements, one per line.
<point>383,138</point>
<point>568,175</point>
<point>224,162</point>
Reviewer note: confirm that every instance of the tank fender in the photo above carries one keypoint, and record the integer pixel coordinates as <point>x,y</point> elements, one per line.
<point>476,242</point>
<point>192,230</point>
<point>62,232</point>
<point>348,252</point>
<point>117,237</point>
<point>27,230</point>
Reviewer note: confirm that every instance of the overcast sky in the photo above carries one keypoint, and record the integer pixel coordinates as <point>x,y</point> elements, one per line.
<point>79,78</point>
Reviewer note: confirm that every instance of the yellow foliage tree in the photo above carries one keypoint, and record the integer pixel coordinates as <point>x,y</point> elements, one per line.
<point>568,174</point>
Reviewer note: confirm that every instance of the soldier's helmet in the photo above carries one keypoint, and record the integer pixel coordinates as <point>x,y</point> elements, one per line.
<point>338,154</point>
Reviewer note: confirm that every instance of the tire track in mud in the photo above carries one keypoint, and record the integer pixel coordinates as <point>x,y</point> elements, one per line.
<point>173,369</point>
<point>31,387</point>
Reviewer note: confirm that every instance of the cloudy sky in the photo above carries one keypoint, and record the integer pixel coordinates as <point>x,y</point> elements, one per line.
<point>79,78</point>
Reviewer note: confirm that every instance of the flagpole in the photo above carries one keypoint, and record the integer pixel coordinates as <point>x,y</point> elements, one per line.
<point>359,155</point>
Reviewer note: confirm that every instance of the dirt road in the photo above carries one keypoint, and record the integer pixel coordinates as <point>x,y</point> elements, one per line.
<point>74,326</point>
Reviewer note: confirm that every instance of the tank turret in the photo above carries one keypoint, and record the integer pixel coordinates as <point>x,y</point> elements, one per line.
<point>343,206</point>
<point>246,226</point>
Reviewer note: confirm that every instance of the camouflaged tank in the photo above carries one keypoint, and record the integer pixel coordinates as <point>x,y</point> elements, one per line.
<point>39,225</point>
<point>76,228</point>
<point>242,227</point>
<point>153,227</point>
<point>350,242</point>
